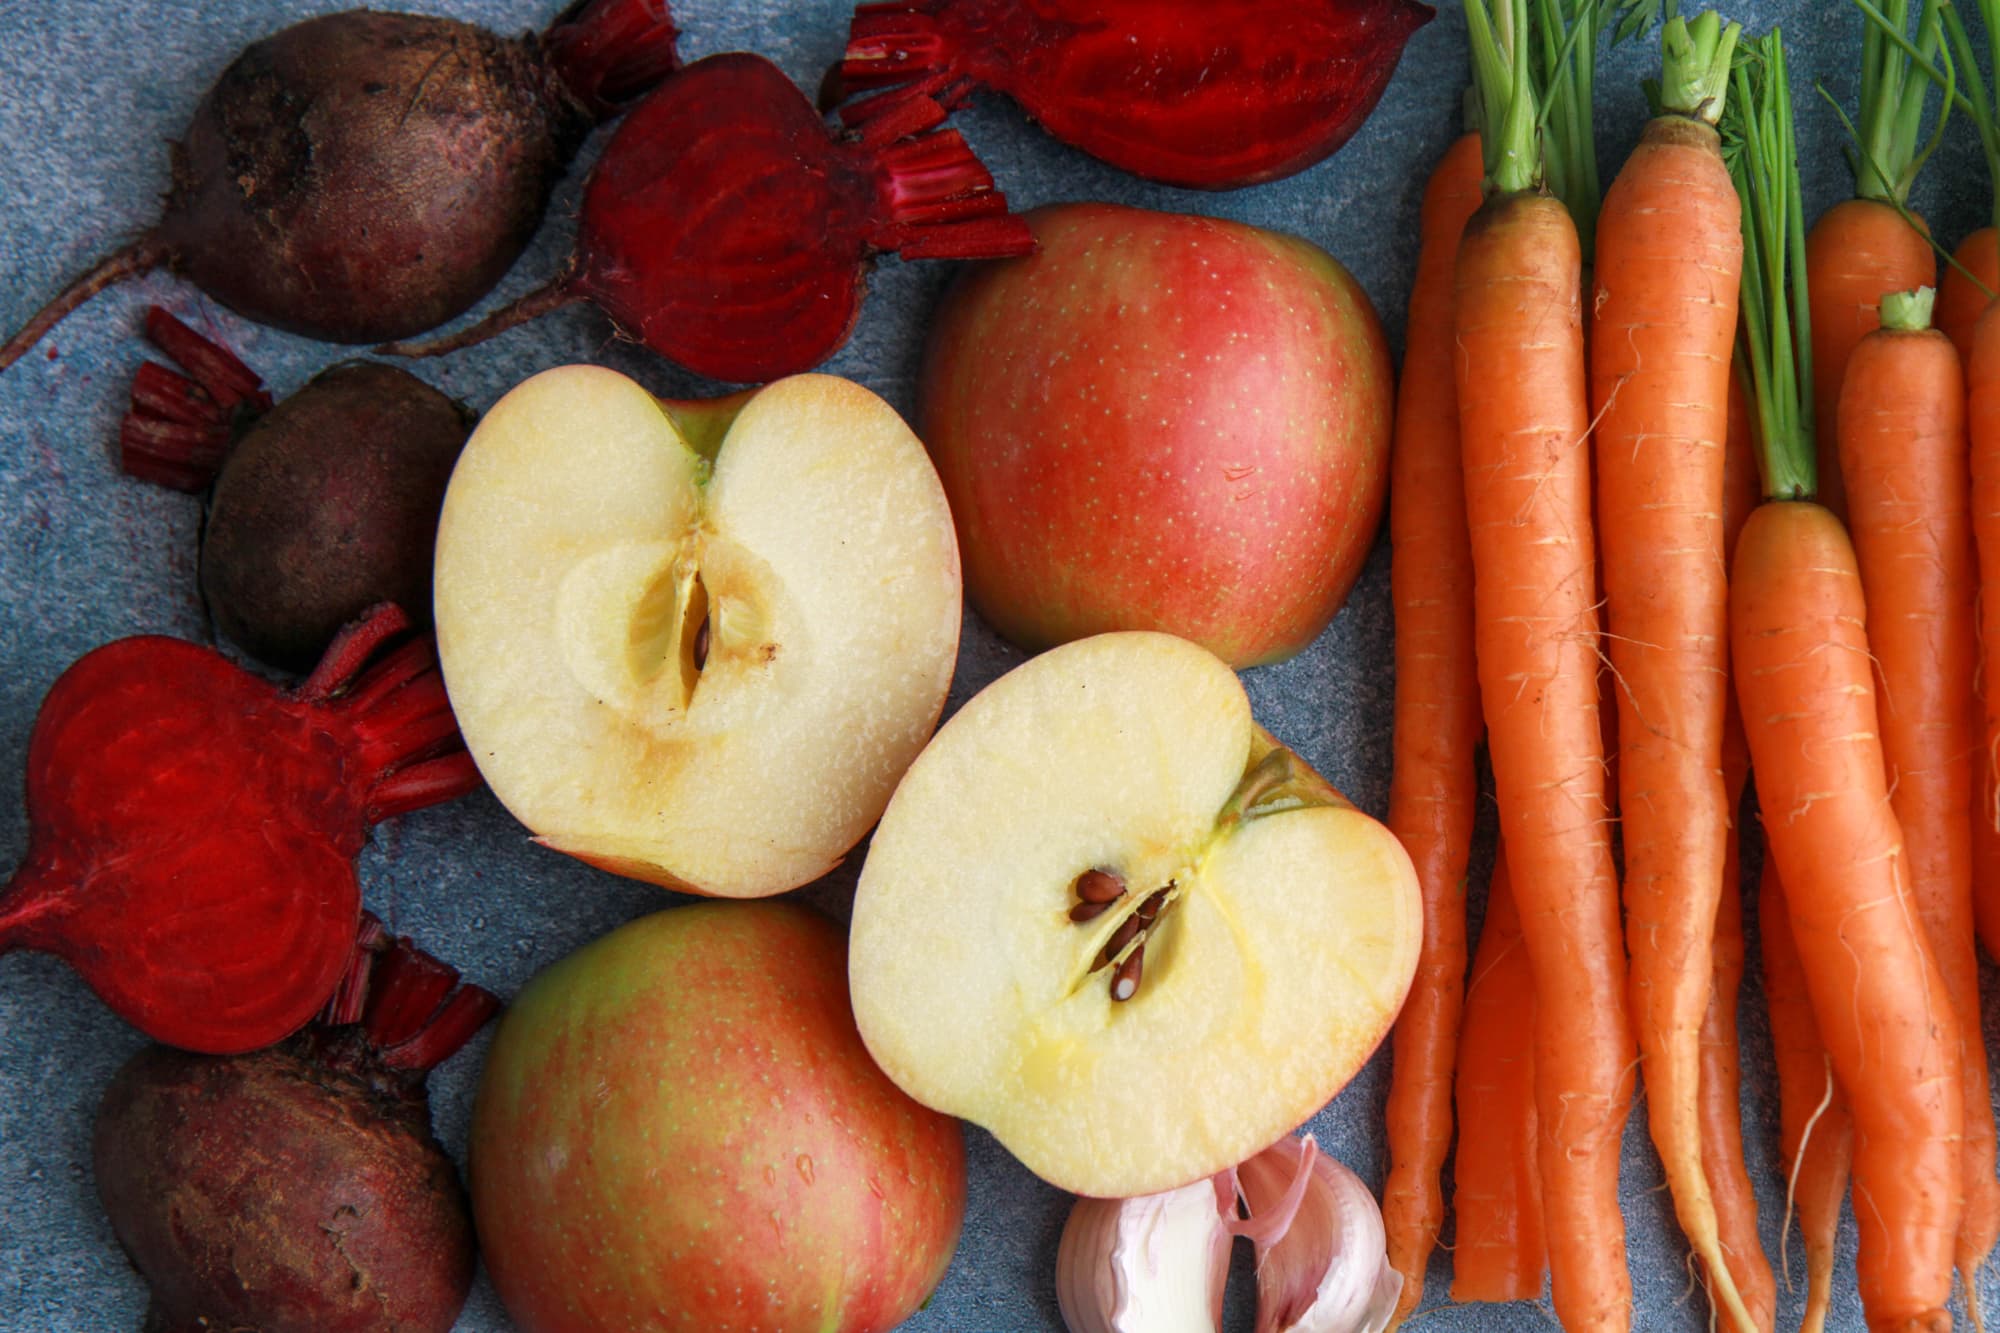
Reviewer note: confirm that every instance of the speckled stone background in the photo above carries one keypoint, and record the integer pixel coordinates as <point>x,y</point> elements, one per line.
<point>91,91</point>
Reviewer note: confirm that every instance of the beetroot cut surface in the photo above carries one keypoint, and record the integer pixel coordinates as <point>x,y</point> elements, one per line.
<point>300,1187</point>
<point>728,229</point>
<point>1187,92</point>
<point>193,829</point>
<point>366,175</point>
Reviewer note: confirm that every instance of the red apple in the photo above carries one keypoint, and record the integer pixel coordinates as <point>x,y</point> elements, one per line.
<point>1160,421</point>
<point>678,1128</point>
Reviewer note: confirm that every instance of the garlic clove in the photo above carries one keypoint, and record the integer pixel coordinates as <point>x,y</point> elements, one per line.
<point>1151,1264</point>
<point>1322,1256</point>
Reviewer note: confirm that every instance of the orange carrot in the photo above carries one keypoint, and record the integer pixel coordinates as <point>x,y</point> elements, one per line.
<point>1903,447</point>
<point>1524,422</point>
<point>1982,375</point>
<point>1663,320</point>
<point>1815,1128</point>
<point>1858,251</point>
<point>1433,786</point>
<point>1805,684</point>
<point>1968,287</point>
<point>1500,1253</point>
<point>1720,1088</point>
<point>1863,248</point>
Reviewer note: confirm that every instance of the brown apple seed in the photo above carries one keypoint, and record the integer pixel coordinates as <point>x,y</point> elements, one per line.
<point>1097,886</point>
<point>1087,911</point>
<point>1125,981</point>
<point>1128,930</point>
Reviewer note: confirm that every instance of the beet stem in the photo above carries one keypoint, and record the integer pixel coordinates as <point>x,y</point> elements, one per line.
<point>350,650</point>
<point>557,293</point>
<point>421,785</point>
<point>938,202</point>
<point>463,1014</point>
<point>350,999</point>
<point>167,453</point>
<point>614,51</point>
<point>217,369</point>
<point>409,989</point>
<point>897,46</point>
<point>141,256</point>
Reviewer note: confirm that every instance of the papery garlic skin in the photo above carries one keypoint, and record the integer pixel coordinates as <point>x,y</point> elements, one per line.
<point>1329,1271</point>
<point>1151,1264</point>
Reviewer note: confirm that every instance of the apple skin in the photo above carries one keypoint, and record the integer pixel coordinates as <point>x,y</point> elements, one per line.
<point>1160,421</point>
<point>678,1128</point>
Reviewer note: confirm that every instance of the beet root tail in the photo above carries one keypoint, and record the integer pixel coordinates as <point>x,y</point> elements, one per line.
<point>141,256</point>
<point>30,900</point>
<point>556,294</point>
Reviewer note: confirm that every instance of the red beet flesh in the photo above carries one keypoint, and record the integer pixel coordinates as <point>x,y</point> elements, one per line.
<point>193,830</point>
<point>299,1188</point>
<point>726,228</point>
<point>1188,92</point>
<point>365,175</point>
<point>321,507</point>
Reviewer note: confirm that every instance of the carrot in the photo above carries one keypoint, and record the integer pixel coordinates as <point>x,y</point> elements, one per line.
<point>1968,287</point>
<point>1863,248</point>
<point>1669,260</point>
<point>1433,785</point>
<point>1903,447</point>
<point>1500,1253</point>
<point>1807,693</point>
<point>1524,421</point>
<point>1983,420</point>
<point>1815,1127</point>
<point>1720,1087</point>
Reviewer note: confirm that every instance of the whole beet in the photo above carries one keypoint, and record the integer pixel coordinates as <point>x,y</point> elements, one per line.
<point>362,175</point>
<point>327,505</point>
<point>319,507</point>
<point>296,1189</point>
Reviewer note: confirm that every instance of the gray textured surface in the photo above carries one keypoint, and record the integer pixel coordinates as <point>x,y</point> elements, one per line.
<point>90,91</point>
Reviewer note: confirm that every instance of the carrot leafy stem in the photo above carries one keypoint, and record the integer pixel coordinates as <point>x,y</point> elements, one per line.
<point>1761,146</point>
<point>1695,60</point>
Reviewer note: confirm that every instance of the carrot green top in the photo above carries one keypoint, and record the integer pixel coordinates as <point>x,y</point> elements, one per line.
<point>1909,312</point>
<point>1694,66</point>
<point>1504,87</point>
<point>1776,342</point>
<point>1896,78</point>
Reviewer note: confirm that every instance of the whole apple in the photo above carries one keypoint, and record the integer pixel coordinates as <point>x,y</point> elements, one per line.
<point>1160,421</point>
<point>678,1128</point>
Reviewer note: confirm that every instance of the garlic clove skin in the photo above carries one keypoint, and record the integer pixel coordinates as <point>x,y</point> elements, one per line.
<point>1328,1271</point>
<point>1151,1264</point>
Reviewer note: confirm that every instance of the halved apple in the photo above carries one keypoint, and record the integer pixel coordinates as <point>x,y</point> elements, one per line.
<point>706,668</point>
<point>1262,937</point>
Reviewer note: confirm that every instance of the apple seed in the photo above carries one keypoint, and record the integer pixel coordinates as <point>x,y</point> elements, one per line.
<point>1128,930</point>
<point>1099,886</point>
<point>1088,911</point>
<point>1125,981</point>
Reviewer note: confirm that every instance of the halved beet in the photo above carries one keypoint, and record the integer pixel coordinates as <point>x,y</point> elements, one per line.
<point>1189,92</point>
<point>193,829</point>
<point>730,231</point>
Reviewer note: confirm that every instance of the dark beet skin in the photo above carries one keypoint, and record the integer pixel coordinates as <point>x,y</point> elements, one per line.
<point>364,176</point>
<point>299,1188</point>
<point>187,1149</point>
<point>327,505</point>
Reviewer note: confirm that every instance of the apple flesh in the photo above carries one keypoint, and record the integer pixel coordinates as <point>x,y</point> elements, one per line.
<point>1283,932</point>
<point>696,645</point>
<point>1160,421</point>
<point>677,1128</point>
